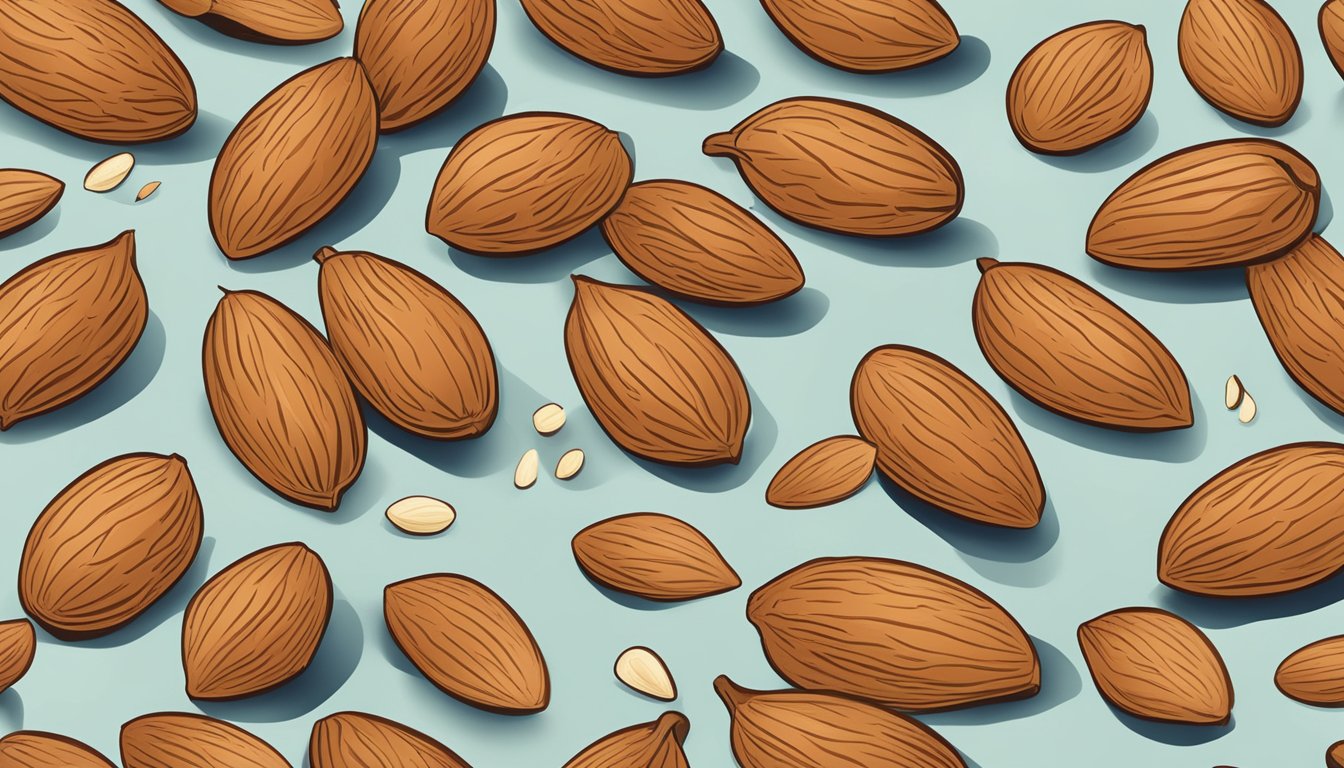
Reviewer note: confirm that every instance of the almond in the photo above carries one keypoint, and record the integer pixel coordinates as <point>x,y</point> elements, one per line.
<point>1269,524</point>
<point>893,633</point>
<point>1334,756</point>
<point>696,243</point>
<point>179,739</point>
<point>823,473</point>
<point>1157,666</point>
<point>1233,392</point>
<point>281,401</point>
<point>147,190</point>
<point>108,174</point>
<point>1331,23</point>
<point>1314,674</point>
<point>1222,204</point>
<point>866,36</point>
<point>525,474</point>
<point>648,38</point>
<point>653,556</point>
<point>268,21</point>
<point>110,544</point>
<point>826,729</point>
<point>409,346</point>
<point>844,167</point>
<point>1242,58</point>
<point>421,515</point>
<point>354,739</point>
<point>67,323</point>
<point>570,464</point>
<point>1081,87</point>
<point>38,749</point>
<point>645,672</point>
<point>293,158</point>
<point>527,182</point>
<point>18,645</point>
<point>648,745</point>
<point>548,419</point>
<point>467,641</point>
<point>25,197</point>
<point>942,438</point>
<point>420,56</point>
<point>1073,351</point>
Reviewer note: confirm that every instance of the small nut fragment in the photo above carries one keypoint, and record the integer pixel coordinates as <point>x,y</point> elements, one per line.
<point>1234,392</point>
<point>525,476</point>
<point>108,174</point>
<point>147,190</point>
<point>644,671</point>
<point>569,465</point>
<point>1246,414</point>
<point>548,419</point>
<point>421,515</point>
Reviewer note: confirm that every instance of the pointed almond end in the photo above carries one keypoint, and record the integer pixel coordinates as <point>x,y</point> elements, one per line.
<point>986,264</point>
<point>733,695</point>
<point>720,145</point>
<point>672,724</point>
<point>324,253</point>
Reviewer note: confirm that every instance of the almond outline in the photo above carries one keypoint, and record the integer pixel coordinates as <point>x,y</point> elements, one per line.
<point>653,556</point>
<point>867,36</point>
<point>283,22</point>
<point>180,739</point>
<point>353,739</point>
<point>644,38</point>
<point>1242,58</point>
<point>18,646</point>
<point>1330,22</point>
<point>1314,674</point>
<point>39,749</point>
<point>647,745</point>
<point>25,197</point>
<point>825,472</point>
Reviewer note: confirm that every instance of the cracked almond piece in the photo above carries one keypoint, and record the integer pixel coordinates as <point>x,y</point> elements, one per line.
<point>653,556</point>
<point>644,671</point>
<point>645,38</point>
<point>823,473</point>
<point>1242,58</point>
<point>648,745</point>
<point>285,22</point>
<point>25,197</point>
<point>180,739</point>
<point>867,36</point>
<point>361,740</point>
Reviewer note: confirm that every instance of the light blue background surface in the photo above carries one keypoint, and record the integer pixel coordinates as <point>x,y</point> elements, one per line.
<point>1110,493</point>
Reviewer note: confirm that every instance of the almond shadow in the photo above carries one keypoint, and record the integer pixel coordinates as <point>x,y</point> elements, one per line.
<point>1229,612</point>
<point>958,241</point>
<point>201,141</point>
<point>1060,682</point>
<point>1175,446</point>
<point>548,266</point>
<point>1175,734</point>
<point>789,316</point>
<point>11,710</point>
<point>1200,287</point>
<point>33,232</point>
<point>958,69</point>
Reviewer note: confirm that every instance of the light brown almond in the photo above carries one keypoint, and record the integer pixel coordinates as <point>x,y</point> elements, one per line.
<point>1242,58</point>
<point>525,474</point>
<point>644,671</point>
<point>421,515</point>
<point>1233,392</point>
<point>183,740</point>
<point>648,745</point>
<point>653,556</point>
<point>1334,756</point>
<point>147,190</point>
<point>361,740</point>
<point>18,645</point>
<point>38,749</point>
<point>1314,674</point>
<point>548,419</point>
<point>569,465</point>
<point>25,197</point>
<point>1247,411</point>
<point>108,174</point>
<point>823,473</point>
<point>1331,24</point>
<point>267,21</point>
<point>647,38</point>
<point>866,36</point>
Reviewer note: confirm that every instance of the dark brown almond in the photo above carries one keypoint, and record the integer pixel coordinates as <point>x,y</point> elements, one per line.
<point>183,740</point>
<point>646,38</point>
<point>653,556</point>
<point>1331,23</point>
<point>18,645</point>
<point>648,745</point>
<point>867,36</point>
<point>823,473</point>
<point>38,749</point>
<point>1242,58</point>
<point>1334,756</point>
<point>25,197</point>
<point>267,21</point>
<point>361,740</point>
<point>1314,674</point>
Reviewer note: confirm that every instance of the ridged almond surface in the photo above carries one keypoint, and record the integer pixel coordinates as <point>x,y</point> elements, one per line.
<point>67,323</point>
<point>823,473</point>
<point>1073,351</point>
<point>1158,666</point>
<point>867,36</point>
<point>467,641</point>
<point>281,400</point>
<point>1222,204</point>
<point>271,21</point>
<point>1331,23</point>
<point>1314,674</point>
<point>647,38</point>
<point>38,749</point>
<point>409,346</point>
<point>25,197</point>
<point>844,167</point>
<point>944,439</point>
<point>361,740</point>
<point>182,740</point>
<point>110,544</point>
<point>1081,87</point>
<point>18,645</point>
<point>656,381</point>
<point>653,556</point>
<point>648,745</point>
<point>256,624</point>
<point>1269,524</point>
<point>1242,58</point>
<point>293,158</point>
<point>893,633</point>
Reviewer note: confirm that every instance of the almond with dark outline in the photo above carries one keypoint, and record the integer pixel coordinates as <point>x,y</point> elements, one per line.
<point>1334,756</point>
<point>1331,24</point>
<point>823,473</point>
<point>361,740</point>
<point>1242,58</point>
<point>646,38</point>
<point>183,740</point>
<point>39,749</point>
<point>25,197</point>
<point>653,556</point>
<point>1314,674</point>
<point>867,36</point>
<point>267,21</point>
<point>18,646</point>
<point>648,745</point>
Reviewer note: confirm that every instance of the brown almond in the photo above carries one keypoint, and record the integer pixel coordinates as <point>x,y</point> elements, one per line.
<point>943,438</point>
<point>653,556</point>
<point>281,401</point>
<point>1222,204</point>
<point>698,244</point>
<point>1242,58</point>
<point>358,739</point>
<point>18,645</point>
<point>827,729</point>
<point>67,323</point>
<point>844,167</point>
<point>1157,666</point>
<point>256,625</point>
<point>267,21</point>
<point>823,473</point>
<point>1334,756</point>
<point>1266,525</point>
<point>894,633</point>
<point>1331,23</point>
<point>1314,674</point>
<point>1073,351</point>
<point>409,346</point>
<point>867,36</point>
<point>527,182</point>
<point>656,381</point>
<point>38,749</point>
<point>182,740</point>
<point>25,197</point>
<point>293,158</point>
<point>110,545</point>
<point>647,38</point>
<point>468,642</point>
<point>648,745</point>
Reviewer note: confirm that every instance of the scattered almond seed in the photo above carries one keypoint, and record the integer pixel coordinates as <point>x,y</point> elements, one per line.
<point>1246,413</point>
<point>525,476</point>
<point>642,670</point>
<point>548,419</point>
<point>108,174</point>
<point>569,465</point>
<point>1233,393</point>
<point>421,515</point>
<point>147,190</point>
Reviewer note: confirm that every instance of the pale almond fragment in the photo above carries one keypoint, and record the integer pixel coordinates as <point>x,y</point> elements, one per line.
<point>108,174</point>
<point>644,671</point>
<point>569,465</point>
<point>1246,413</point>
<point>525,475</point>
<point>548,419</point>
<point>147,190</point>
<point>1233,392</point>
<point>421,515</point>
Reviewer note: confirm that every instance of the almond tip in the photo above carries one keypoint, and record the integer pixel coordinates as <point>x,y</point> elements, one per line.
<point>986,264</point>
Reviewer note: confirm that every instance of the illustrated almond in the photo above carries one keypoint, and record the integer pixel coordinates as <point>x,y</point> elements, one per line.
<point>653,556</point>
<point>147,190</point>
<point>844,167</point>
<point>1222,204</point>
<point>1314,674</point>
<point>293,158</point>
<point>771,729</point>
<point>468,642</point>
<point>893,633</point>
<point>179,739</point>
<point>570,464</point>
<point>1269,524</point>
<point>866,36</point>
<point>823,473</point>
<point>108,174</point>
<point>357,739</point>
<point>38,749</point>
<point>409,346</point>
<point>1073,351</point>
<point>18,645</point>
<point>525,474</point>
<point>1242,58</point>
<point>267,21</point>
<point>421,515</point>
<point>1334,756</point>
<point>281,401</point>
<point>526,182</point>
<point>420,55</point>
<point>25,197</point>
<point>696,243</point>
<point>1157,666</point>
<point>648,745</point>
<point>644,671</point>
<point>656,381</point>
<point>1331,23</point>
<point>944,439</point>
<point>548,419</point>
<point>110,544</point>
<point>647,38</point>
<point>256,625</point>
<point>1081,87</point>
<point>67,323</point>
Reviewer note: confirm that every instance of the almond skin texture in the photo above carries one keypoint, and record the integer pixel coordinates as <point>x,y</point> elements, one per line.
<point>467,641</point>
<point>1157,666</point>
<point>1331,22</point>
<point>656,381</point>
<point>823,473</point>
<point>698,244</point>
<point>1073,351</point>
<point>1242,58</point>
<point>37,749</point>
<point>1269,524</point>
<point>293,158</point>
<point>286,22</point>
<point>67,323</point>
<point>944,439</point>
<point>110,544</point>
<point>648,745</point>
<point>1081,87</point>
<point>281,401</point>
<point>1314,674</point>
<point>25,197</point>
<point>179,740</point>
<point>1223,204</point>
<point>866,36</point>
<point>646,38</point>
<point>893,633</point>
<point>360,740</point>
<point>653,556</point>
<point>844,167</point>
<point>18,645</point>
<point>409,346</point>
